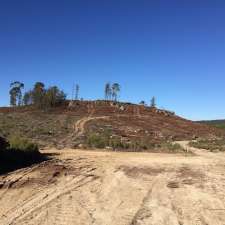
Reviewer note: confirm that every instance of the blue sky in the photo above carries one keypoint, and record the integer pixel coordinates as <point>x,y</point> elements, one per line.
<point>174,50</point>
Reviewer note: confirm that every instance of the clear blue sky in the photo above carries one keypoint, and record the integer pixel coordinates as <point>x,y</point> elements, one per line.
<point>173,49</point>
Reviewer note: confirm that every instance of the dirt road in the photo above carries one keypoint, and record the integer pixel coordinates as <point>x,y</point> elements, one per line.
<point>79,126</point>
<point>84,187</point>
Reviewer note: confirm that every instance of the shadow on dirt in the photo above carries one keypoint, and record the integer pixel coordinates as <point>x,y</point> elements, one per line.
<point>11,160</point>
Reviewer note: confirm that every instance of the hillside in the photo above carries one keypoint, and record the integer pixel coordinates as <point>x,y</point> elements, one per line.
<point>68,186</point>
<point>215,123</point>
<point>74,124</point>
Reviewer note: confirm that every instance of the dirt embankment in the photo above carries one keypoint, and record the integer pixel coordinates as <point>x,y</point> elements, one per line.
<point>82,187</point>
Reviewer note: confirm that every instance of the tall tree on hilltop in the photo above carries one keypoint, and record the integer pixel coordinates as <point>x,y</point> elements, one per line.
<point>77,92</point>
<point>153,102</point>
<point>16,93</point>
<point>115,91</point>
<point>108,91</point>
<point>27,98</point>
<point>12,94</point>
<point>53,97</point>
<point>38,94</point>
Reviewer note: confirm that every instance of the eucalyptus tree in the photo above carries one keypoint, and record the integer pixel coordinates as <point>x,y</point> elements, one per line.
<point>108,91</point>
<point>115,91</point>
<point>27,98</point>
<point>16,93</point>
<point>53,97</point>
<point>38,94</point>
<point>77,89</point>
<point>153,102</point>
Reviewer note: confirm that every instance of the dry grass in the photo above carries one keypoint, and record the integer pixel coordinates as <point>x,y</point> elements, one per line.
<point>211,145</point>
<point>43,127</point>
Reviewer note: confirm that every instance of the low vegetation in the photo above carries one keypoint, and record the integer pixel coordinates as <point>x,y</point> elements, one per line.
<point>211,145</point>
<point>22,144</point>
<point>173,147</point>
<point>44,128</point>
<point>108,141</point>
<point>17,153</point>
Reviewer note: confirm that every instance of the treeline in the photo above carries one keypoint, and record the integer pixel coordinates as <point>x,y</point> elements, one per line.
<point>42,97</point>
<point>39,96</point>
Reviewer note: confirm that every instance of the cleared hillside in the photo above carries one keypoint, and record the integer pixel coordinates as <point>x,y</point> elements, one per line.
<point>72,124</point>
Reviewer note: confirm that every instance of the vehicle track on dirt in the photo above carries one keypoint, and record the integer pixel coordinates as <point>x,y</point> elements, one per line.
<point>79,126</point>
<point>115,188</point>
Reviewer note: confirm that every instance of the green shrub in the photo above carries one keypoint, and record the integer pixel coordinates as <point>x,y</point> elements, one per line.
<point>18,153</point>
<point>173,147</point>
<point>116,143</point>
<point>17,143</point>
<point>97,141</point>
<point>105,138</point>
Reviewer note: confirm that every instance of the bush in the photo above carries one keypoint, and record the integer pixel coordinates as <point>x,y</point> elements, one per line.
<point>97,141</point>
<point>18,153</point>
<point>116,143</point>
<point>22,144</point>
<point>106,139</point>
<point>173,147</point>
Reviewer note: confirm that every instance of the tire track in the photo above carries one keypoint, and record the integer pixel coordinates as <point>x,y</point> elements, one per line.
<point>79,126</point>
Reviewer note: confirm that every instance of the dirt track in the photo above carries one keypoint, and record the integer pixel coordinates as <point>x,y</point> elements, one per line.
<point>84,187</point>
<point>80,124</point>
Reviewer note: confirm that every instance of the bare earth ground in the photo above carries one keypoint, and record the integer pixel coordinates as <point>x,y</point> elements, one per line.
<point>110,188</point>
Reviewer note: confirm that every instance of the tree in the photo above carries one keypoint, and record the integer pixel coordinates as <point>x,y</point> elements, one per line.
<point>115,91</point>
<point>38,94</point>
<point>153,102</point>
<point>108,91</point>
<point>77,92</point>
<point>142,102</point>
<point>53,97</point>
<point>16,93</point>
<point>44,98</point>
<point>27,98</point>
<point>13,94</point>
